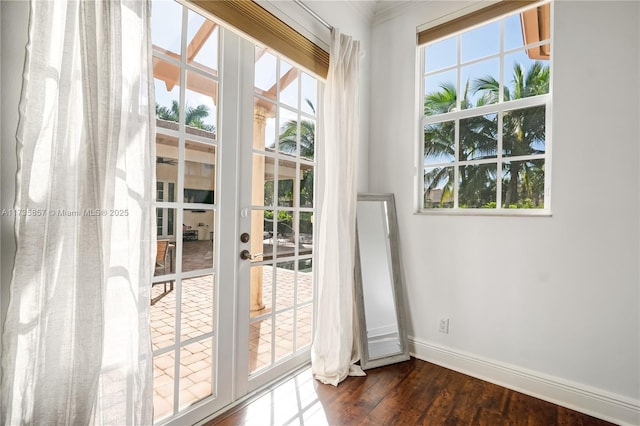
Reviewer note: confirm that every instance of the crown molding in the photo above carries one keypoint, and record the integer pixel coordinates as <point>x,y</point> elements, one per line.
<point>388,9</point>
<point>366,9</point>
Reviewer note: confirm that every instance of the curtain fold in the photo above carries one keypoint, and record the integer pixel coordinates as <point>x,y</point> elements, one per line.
<point>76,344</point>
<point>332,357</point>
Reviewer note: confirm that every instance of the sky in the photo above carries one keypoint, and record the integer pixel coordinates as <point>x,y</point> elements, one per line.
<point>166,34</point>
<point>473,46</point>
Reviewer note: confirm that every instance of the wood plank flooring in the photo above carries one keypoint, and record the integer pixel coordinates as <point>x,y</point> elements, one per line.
<point>410,393</point>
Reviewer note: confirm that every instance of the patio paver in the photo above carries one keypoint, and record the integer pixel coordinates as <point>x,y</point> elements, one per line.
<point>195,370</point>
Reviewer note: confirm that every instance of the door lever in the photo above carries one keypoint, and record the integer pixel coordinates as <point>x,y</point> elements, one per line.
<point>246,255</point>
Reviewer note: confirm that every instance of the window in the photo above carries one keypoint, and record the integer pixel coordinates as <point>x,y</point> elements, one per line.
<point>485,116</point>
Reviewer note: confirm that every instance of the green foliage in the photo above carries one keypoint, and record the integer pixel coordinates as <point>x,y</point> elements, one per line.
<point>523,133</point>
<point>306,227</point>
<point>292,132</point>
<point>289,136</point>
<point>285,221</point>
<point>194,116</point>
<point>283,216</point>
<point>306,189</point>
<point>527,203</point>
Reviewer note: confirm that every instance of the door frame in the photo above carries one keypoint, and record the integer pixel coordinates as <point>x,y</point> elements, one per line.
<point>233,217</point>
<point>226,327</point>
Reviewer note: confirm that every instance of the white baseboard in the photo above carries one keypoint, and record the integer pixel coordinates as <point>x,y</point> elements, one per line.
<point>595,402</point>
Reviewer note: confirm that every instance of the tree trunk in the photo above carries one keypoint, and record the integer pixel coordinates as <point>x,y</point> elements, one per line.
<point>512,189</point>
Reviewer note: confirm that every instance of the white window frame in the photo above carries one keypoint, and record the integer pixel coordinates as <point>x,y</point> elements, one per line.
<point>498,108</point>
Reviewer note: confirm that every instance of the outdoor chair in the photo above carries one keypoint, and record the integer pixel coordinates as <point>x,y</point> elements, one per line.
<point>163,267</point>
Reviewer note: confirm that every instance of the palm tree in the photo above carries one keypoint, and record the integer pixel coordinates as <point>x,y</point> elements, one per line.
<point>523,134</point>
<point>193,116</point>
<point>289,132</point>
<point>169,114</point>
<point>523,131</point>
<point>477,137</point>
<point>288,143</point>
<point>439,143</point>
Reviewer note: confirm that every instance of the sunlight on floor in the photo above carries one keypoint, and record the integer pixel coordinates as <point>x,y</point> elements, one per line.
<point>295,402</point>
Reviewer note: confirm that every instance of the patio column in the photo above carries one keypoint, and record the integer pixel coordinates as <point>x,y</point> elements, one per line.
<point>257,216</point>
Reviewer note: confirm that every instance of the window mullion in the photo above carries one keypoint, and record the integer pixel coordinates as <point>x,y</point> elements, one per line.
<point>501,85</point>
<point>459,73</point>
<point>499,165</point>
<point>181,169</point>
<point>532,101</point>
<point>456,165</point>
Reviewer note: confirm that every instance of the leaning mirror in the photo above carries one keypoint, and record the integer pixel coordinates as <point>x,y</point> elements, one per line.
<point>379,301</point>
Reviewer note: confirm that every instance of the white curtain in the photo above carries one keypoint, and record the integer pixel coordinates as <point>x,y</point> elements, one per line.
<point>332,356</point>
<point>76,346</point>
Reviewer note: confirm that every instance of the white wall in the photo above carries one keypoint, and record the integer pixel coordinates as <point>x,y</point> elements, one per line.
<point>558,297</point>
<point>352,18</point>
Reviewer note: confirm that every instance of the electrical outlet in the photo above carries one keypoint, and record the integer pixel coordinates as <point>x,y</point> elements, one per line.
<point>444,326</point>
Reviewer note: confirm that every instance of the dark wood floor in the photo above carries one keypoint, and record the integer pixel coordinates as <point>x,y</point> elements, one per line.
<point>409,393</point>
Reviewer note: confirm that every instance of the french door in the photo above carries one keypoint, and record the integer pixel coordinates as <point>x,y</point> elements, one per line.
<point>233,293</point>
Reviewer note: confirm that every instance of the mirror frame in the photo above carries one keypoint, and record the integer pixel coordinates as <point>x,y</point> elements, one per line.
<point>398,284</point>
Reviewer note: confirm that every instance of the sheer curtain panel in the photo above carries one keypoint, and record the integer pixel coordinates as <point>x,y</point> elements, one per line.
<point>76,347</point>
<point>331,352</point>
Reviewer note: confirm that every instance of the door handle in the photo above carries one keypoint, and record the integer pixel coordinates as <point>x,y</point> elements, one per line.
<point>246,255</point>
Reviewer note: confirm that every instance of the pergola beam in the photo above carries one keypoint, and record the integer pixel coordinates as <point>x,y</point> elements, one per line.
<point>200,38</point>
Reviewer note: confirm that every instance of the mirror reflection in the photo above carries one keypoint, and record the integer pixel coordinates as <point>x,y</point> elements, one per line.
<point>378,283</point>
<point>375,263</point>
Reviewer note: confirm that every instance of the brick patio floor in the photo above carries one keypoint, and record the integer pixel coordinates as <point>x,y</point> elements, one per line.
<point>261,328</point>
<point>195,368</point>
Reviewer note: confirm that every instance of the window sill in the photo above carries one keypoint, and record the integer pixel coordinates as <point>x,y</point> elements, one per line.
<point>486,212</point>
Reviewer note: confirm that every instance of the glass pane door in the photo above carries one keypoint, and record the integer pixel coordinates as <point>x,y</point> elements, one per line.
<point>183,306</point>
<point>281,220</point>
<point>222,325</point>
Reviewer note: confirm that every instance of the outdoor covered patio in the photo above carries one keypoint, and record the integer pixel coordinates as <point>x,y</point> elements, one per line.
<point>267,343</point>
